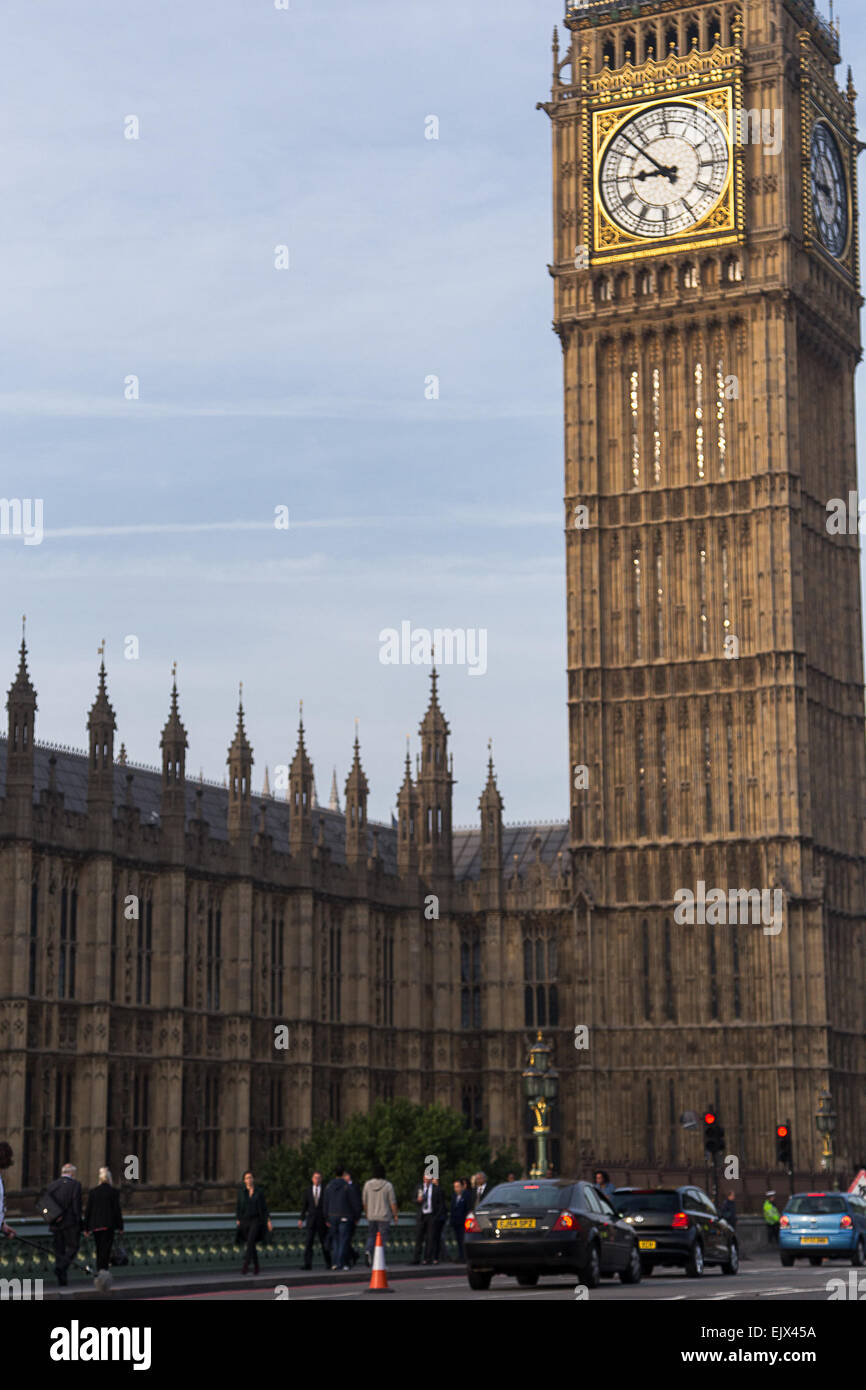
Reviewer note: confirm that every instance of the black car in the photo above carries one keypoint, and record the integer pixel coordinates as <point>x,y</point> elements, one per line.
<point>548,1226</point>
<point>678,1226</point>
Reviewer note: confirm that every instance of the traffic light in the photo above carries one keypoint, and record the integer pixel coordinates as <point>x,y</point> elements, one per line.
<point>714,1133</point>
<point>784,1147</point>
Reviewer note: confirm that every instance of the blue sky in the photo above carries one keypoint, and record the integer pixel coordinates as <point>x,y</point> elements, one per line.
<point>305,388</point>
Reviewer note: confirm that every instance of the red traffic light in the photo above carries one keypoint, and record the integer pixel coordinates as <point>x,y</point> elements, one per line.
<point>709,1118</point>
<point>782,1131</point>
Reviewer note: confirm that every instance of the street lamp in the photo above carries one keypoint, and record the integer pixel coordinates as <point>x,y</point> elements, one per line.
<point>825,1123</point>
<point>540,1086</point>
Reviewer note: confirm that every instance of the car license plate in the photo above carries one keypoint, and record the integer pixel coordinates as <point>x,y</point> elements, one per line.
<point>646,1245</point>
<point>814,1240</point>
<point>516,1223</point>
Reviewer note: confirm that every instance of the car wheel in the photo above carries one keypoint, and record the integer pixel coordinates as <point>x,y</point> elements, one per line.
<point>590,1274</point>
<point>816,1259</point>
<point>858,1259</point>
<point>787,1261</point>
<point>732,1264</point>
<point>632,1272</point>
<point>646,1268</point>
<point>695,1262</point>
<point>478,1279</point>
<point>528,1278</point>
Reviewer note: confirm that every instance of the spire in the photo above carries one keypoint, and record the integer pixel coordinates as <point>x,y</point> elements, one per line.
<point>173,742</point>
<point>407,822</point>
<point>240,764</point>
<point>356,808</point>
<point>434,790</point>
<point>301,794</point>
<point>334,799</point>
<point>491,806</point>
<point>21,706</point>
<point>101,725</point>
<point>266,785</point>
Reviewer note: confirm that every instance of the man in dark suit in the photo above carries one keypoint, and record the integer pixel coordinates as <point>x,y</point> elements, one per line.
<point>66,1230</point>
<point>459,1212</point>
<point>480,1185</point>
<point>340,1214</point>
<point>313,1216</point>
<point>355,1208</point>
<point>430,1208</point>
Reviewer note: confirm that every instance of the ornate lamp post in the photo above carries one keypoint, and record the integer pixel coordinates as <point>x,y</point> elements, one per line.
<point>825,1123</point>
<point>540,1086</point>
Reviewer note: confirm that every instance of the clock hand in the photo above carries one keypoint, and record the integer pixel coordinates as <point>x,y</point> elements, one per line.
<point>824,188</point>
<point>651,174</point>
<point>666,172</point>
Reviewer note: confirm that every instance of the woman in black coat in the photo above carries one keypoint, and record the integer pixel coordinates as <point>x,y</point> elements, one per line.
<point>102,1217</point>
<point>253,1220</point>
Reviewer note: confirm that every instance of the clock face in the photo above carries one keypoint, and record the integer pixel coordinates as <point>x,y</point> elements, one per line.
<point>664,170</point>
<point>829,189</point>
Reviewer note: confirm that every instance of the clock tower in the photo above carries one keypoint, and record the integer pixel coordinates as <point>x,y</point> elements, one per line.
<point>707,302</point>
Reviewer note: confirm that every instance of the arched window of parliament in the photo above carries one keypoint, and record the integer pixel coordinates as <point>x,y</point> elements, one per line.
<point>276,1114</point>
<point>388,977</point>
<point>278,959</point>
<point>33,944</point>
<point>141,1116</point>
<point>649,44</point>
<point>634,409</point>
<point>471,1098</point>
<point>641,778</point>
<point>332,978</point>
<point>714,27</point>
<point>708,770</point>
<point>657,424</point>
<point>637,606</point>
<point>671,40</point>
<point>144,947</point>
<point>213,957</point>
<point>703,618</point>
<point>663,774</point>
<point>729,739</point>
<point>650,1121</point>
<point>62,1117</point>
<point>693,37</point>
<point>540,993</point>
<point>735,970</point>
<point>210,1131</point>
<point>67,954</point>
<point>645,970</point>
<point>713,973</point>
<point>668,974</point>
<point>690,277</point>
<point>608,55</point>
<point>733,270</point>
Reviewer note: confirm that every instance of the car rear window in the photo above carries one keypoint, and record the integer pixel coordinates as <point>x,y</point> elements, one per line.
<point>816,1206</point>
<point>646,1201</point>
<point>528,1194</point>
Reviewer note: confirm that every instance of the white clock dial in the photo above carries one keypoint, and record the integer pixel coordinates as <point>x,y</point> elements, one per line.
<point>829,189</point>
<point>664,170</point>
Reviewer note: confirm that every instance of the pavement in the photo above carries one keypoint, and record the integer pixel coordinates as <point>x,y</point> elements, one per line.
<point>761,1279</point>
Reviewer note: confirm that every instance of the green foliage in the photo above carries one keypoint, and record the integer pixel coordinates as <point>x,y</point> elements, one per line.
<point>397,1134</point>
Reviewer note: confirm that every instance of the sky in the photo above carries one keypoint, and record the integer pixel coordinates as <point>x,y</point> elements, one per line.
<point>166,387</point>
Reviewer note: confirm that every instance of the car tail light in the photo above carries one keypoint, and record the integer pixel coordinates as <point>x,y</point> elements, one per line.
<point>566,1221</point>
<point>846,1223</point>
<point>784,1221</point>
<point>470,1224</point>
<point>680,1221</point>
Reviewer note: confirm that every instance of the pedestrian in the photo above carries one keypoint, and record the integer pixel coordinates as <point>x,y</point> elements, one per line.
<point>772,1218</point>
<point>380,1206</point>
<point>338,1209</point>
<point>429,1203</point>
<point>66,1228</point>
<point>6,1161</point>
<point>102,1217</point>
<point>355,1208</point>
<point>253,1220</point>
<point>480,1185</point>
<point>313,1215</point>
<point>510,1177</point>
<point>459,1212</point>
<point>602,1180</point>
<point>551,1171</point>
<point>440,1215</point>
<point>729,1209</point>
<point>468,1192</point>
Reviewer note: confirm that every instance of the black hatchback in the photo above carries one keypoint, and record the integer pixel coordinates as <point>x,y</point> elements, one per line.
<point>548,1226</point>
<point>678,1226</point>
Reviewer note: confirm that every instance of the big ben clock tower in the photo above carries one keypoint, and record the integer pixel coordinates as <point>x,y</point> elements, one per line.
<point>707,302</point>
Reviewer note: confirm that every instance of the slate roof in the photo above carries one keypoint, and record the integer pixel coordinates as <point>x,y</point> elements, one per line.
<point>71,776</point>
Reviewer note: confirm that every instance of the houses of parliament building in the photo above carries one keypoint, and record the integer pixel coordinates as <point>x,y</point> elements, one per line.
<point>157,932</point>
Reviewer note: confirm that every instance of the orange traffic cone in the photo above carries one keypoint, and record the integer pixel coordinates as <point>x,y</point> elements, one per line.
<point>379,1277</point>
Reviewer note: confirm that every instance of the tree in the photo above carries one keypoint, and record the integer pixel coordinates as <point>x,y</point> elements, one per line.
<point>401,1136</point>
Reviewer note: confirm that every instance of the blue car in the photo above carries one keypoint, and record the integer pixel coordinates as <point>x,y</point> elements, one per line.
<point>823,1226</point>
